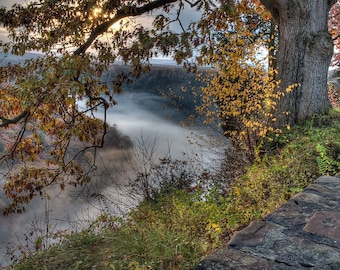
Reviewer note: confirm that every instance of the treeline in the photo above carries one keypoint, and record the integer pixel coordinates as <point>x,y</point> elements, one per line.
<point>180,87</point>
<point>159,77</point>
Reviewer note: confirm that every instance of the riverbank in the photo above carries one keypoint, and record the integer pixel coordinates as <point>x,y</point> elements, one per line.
<point>179,227</point>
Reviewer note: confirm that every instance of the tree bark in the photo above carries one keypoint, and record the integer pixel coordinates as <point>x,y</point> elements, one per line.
<point>304,54</point>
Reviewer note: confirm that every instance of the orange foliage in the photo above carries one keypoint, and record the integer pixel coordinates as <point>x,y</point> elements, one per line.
<point>334,29</point>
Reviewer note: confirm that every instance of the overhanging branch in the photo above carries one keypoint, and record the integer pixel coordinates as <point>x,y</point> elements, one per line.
<point>5,122</point>
<point>123,12</point>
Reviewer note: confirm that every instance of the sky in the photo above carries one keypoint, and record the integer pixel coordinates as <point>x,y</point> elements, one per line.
<point>188,15</point>
<point>8,3</point>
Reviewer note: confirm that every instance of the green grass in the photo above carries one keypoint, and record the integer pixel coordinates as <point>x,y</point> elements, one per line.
<point>178,229</point>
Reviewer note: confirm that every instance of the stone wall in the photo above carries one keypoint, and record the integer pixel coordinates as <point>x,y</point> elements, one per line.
<point>303,233</point>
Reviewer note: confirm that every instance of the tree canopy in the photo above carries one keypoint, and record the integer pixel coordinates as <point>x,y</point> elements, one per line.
<point>79,40</point>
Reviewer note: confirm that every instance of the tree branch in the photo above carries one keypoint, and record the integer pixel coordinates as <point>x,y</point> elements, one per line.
<point>123,12</point>
<point>6,122</point>
<point>192,4</point>
<point>25,115</point>
<point>273,6</point>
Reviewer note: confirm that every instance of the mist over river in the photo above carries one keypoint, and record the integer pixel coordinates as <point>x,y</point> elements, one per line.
<point>140,113</point>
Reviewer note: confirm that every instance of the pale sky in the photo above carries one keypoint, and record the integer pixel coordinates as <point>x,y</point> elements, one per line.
<point>187,16</point>
<point>9,3</point>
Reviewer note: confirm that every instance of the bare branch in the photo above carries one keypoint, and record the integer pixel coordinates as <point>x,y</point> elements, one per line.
<point>192,4</point>
<point>177,19</point>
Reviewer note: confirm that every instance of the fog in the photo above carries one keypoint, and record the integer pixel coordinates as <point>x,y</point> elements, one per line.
<point>141,114</point>
<point>138,116</point>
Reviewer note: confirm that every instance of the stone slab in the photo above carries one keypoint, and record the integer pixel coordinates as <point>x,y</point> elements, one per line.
<point>322,189</point>
<point>328,180</point>
<point>324,224</point>
<point>298,251</point>
<point>290,215</point>
<point>309,201</point>
<point>225,259</point>
<point>252,235</point>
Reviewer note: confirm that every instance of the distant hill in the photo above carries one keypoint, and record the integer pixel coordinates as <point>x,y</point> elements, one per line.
<point>14,59</point>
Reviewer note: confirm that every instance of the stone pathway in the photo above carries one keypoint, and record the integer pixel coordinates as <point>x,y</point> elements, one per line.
<point>303,233</point>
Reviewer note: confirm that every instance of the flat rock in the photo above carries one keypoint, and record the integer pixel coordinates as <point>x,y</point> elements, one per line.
<point>226,258</point>
<point>324,224</point>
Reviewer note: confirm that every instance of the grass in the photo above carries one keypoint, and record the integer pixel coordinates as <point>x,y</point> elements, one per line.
<point>177,229</point>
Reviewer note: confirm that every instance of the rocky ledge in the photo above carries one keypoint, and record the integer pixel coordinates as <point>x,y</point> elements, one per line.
<point>303,233</point>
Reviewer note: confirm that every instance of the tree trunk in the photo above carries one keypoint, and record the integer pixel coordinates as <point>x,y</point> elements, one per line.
<point>304,54</point>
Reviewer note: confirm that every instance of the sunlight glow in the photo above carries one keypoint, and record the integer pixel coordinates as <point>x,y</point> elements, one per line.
<point>96,12</point>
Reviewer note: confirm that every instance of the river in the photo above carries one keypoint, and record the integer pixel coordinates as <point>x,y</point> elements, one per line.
<point>139,116</point>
